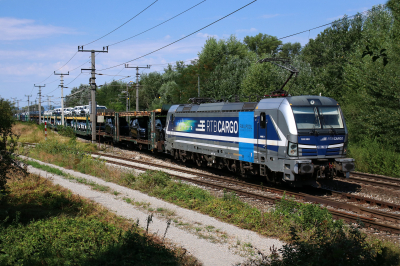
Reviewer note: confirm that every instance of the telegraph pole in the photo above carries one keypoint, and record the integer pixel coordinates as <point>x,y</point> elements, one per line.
<point>28,106</point>
<point>92,82</point>
<point>48,101</point>
<point>137,83</point>
<point>40,101</point>
<point>62,97</point>
<point>14,100</point>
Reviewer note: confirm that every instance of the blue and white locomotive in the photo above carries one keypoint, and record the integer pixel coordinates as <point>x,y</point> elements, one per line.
<point>295,139</point>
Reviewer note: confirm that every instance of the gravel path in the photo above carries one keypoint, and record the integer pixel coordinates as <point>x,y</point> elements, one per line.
<point>211,241</point>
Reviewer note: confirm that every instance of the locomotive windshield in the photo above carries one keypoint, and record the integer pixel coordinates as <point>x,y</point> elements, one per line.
<point>317,117</point>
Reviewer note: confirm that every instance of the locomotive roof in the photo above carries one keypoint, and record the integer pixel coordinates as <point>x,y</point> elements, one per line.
<point>221,106</point>
<point>250,106</point>
<point>308,100</point>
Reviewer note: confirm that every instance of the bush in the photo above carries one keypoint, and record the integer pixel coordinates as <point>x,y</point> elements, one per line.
<point>52,146</point>
<point>66,131</point>
<point>329,242</point>
<point>153,179</point>
<point>374,157</point>
<point>8,141</point>
<point>341,246</point>
<point>305,217</point>
<point>78,241</point>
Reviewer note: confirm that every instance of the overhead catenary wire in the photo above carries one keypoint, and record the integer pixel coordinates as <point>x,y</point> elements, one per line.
<point>198,31</point>
<point>59,68</point>
<point>323,25</point>
<point>182,37</point>
<point>158,24</point>
<point>122,24</point>
<point>74,79</point>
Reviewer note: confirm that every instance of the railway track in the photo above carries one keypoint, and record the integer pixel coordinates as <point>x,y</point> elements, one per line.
<point>374,180</point>
<point>337,208</point>
<point>355,177</point>
<point>337,213</point>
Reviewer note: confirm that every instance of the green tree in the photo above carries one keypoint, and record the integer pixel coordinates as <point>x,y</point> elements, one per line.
<point>371,88</point>
<point>221,67</point>
<point>289,50</point>
<point>8,141</point>
<point>81,98</point>
<point>149,93</point>
<point>111,96</point>
<point>331,50</point>
<point>262,44</point>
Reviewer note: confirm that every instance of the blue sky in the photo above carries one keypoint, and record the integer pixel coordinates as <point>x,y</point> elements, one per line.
<point>39,37</point>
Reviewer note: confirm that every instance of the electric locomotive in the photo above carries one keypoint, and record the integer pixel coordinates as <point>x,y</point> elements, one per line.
<point>296,139</point>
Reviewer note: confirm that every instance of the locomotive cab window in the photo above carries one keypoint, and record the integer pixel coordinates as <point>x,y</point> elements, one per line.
<point>317,117</point>
<point>263,122</point>
<point>331,117</point>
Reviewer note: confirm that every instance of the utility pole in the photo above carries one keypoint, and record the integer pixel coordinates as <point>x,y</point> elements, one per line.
<point>14,100</point>
<point>28,106</point>
<point>40,101</point>
<point>48,101</point>
<point>62,96</point>
<point>34,108</point>
<point>127,97</point>
<point>198,86</point>
<point>137,83</point>
<point>92,82</point>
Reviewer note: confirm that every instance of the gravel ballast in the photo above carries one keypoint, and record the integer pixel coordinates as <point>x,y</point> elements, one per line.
<point>211,241</point>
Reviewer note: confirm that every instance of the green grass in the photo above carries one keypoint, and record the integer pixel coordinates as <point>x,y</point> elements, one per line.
<point>44,224</point>
<point>81,180</point>
<point>45,167</point>
<point>290,221</point>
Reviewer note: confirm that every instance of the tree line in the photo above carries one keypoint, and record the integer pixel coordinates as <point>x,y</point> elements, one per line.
<point>354,61</point>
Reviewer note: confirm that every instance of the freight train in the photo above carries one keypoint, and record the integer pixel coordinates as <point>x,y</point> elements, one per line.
<point>296,140</point>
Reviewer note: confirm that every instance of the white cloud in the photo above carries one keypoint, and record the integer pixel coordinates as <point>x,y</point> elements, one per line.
<point>360,9</point>
<point>247,30</point>
<point>335,18</point>
<point>167,37</point>
<point>36,65</point>
<point>26,29</point>
<point>206,35</point>
<point>269,16</point>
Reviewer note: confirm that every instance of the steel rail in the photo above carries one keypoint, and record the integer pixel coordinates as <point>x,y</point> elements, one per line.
<point>368,221</point>
<point>376,180</point>
<point>347,196</point>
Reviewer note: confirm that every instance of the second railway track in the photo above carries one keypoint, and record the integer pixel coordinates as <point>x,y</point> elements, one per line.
<point>338,209</point>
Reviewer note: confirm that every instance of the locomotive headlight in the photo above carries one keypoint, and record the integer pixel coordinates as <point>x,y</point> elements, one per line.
<point>345,148</point>
<point>292,149</point>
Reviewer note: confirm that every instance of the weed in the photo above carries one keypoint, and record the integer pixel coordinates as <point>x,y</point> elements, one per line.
<point>128,200</point>
<point>210,228</point>
<point>166,229</point>
<point>149,220</point>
